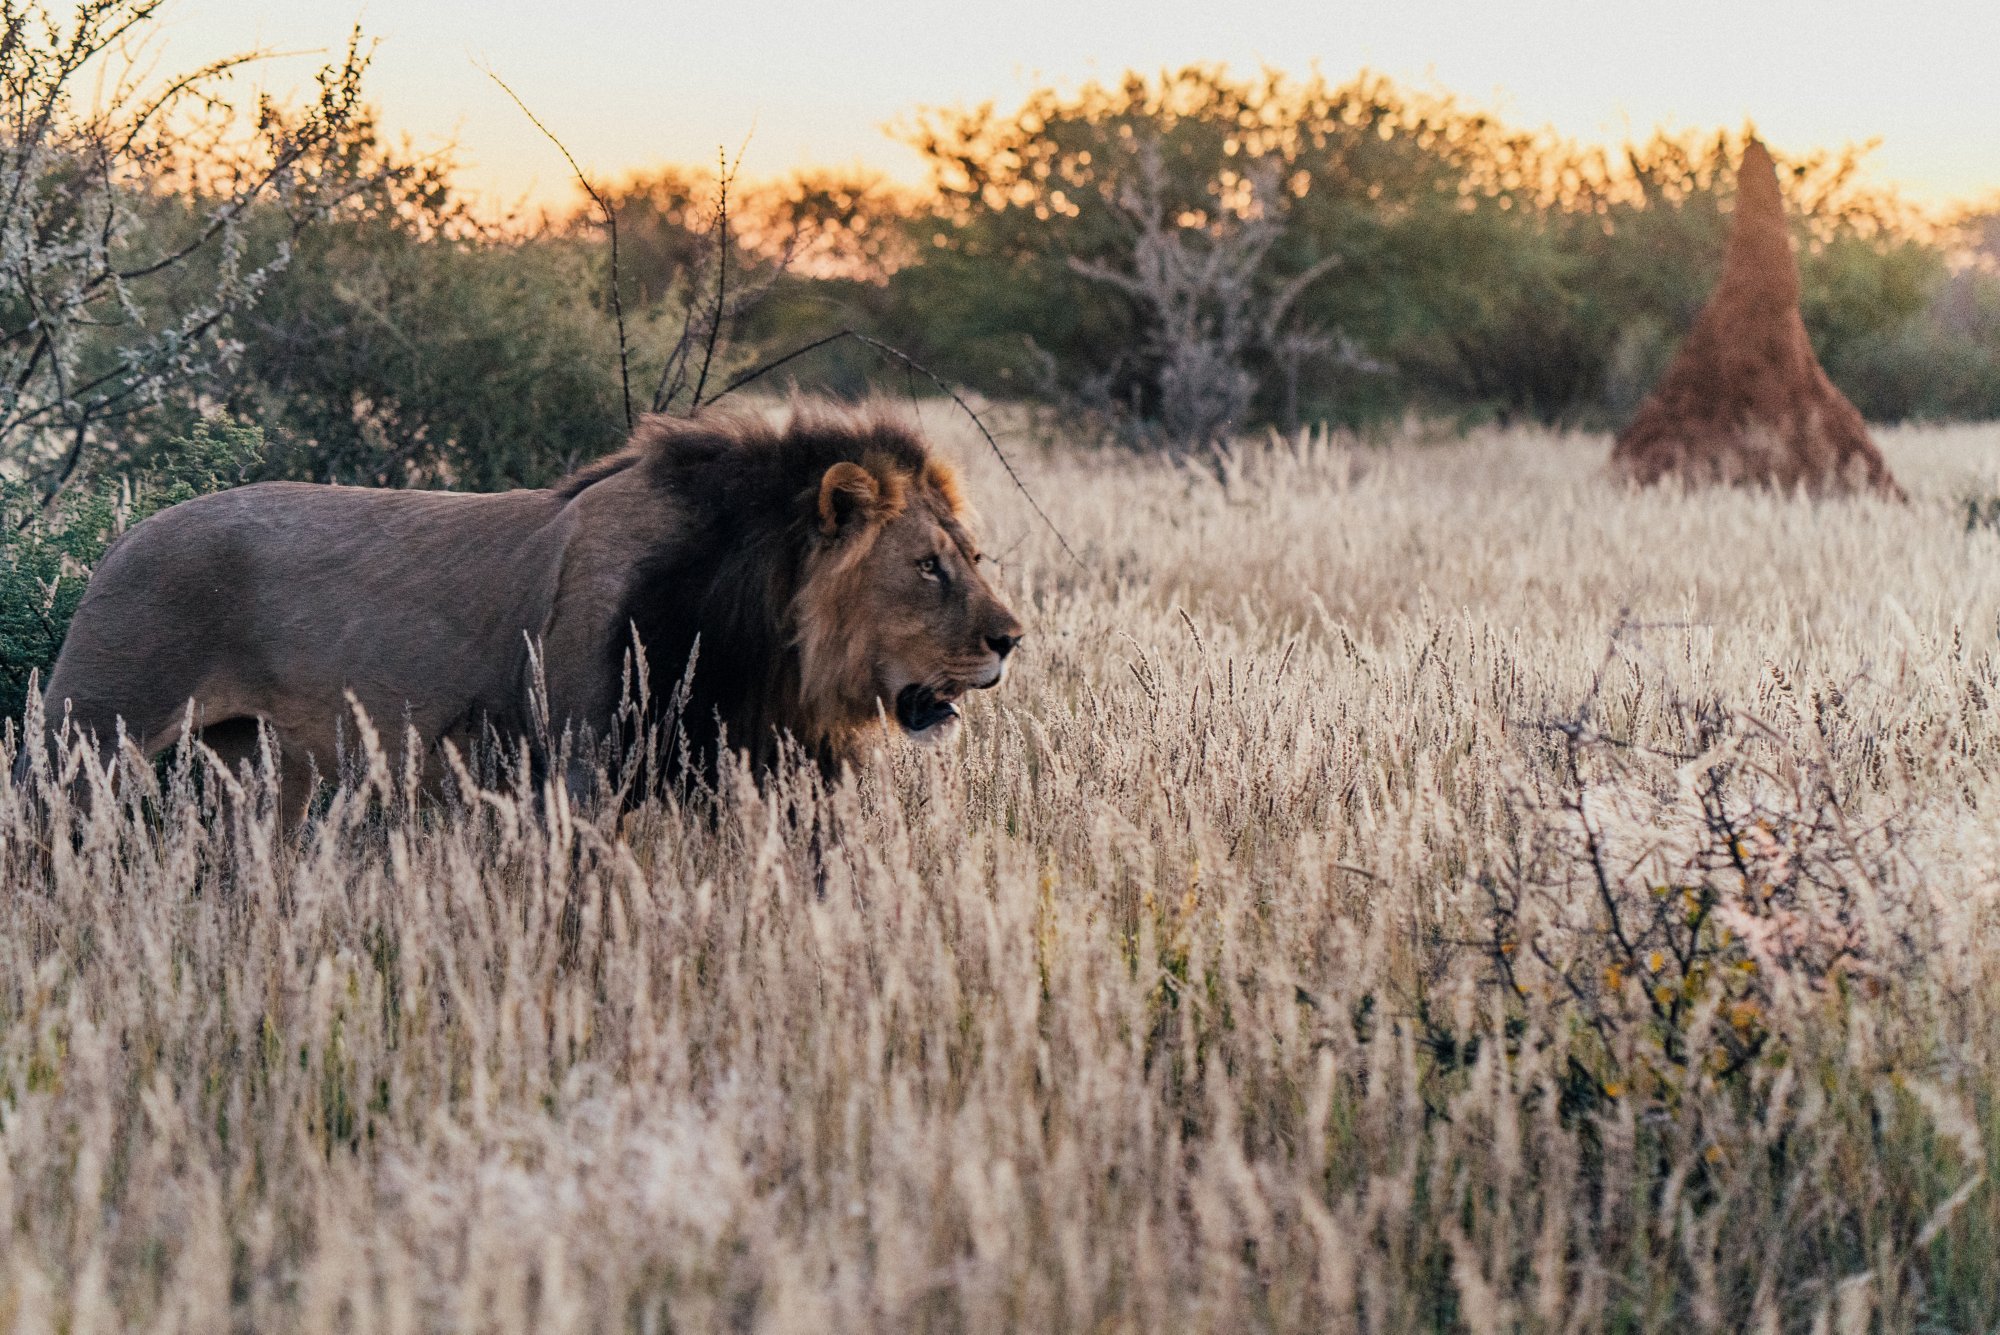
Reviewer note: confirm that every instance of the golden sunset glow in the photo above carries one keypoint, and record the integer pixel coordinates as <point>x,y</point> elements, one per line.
<point>632,85</point>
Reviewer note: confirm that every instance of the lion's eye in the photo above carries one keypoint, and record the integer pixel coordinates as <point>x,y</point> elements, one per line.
<point>928,567</point>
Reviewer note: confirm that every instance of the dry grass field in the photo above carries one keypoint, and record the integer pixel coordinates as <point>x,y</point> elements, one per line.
<point>1404,888</point>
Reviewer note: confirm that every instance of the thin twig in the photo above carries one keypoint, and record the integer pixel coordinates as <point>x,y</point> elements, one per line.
<point>887,350</point>
<point>674,369</point>
<point>727,172</point>
<point>610,225</point>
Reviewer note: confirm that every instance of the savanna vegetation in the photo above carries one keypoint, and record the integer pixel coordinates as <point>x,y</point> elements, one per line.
<point>1168,260</point>
<point>1411,887</point>
<point>1412,882</point>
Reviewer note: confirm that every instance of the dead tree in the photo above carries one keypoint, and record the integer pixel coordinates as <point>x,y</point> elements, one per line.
<point>1204,297</point>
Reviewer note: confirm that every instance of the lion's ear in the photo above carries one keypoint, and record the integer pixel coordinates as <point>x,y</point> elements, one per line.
<point>847,492</point>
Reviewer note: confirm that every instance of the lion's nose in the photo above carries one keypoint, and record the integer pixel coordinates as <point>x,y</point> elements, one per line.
<point>1002,644</point>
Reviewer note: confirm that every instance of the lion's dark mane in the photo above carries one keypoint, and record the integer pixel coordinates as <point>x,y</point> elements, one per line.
<point>745,494</point>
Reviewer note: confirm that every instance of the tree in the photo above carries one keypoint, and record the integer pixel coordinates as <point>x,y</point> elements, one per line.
<point>1195,248</point>
<point>1205,306</point>
<point>126,239</point>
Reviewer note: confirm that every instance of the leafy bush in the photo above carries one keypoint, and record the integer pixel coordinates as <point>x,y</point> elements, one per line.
<point>1473,268</point>
<point>1940,364</point>
<point>1189,255</point>
<point>47,551</point>
<point>390,357</point>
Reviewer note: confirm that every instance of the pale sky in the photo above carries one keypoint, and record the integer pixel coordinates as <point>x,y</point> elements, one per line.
<point>628,85</point>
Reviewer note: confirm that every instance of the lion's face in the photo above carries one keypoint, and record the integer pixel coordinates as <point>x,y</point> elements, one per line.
<point>896,610</point>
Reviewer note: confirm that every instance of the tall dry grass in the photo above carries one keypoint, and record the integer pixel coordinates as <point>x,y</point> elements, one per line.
<point>1408,888</point>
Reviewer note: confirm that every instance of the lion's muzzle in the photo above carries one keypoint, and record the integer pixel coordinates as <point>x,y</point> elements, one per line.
<point>920,708</point>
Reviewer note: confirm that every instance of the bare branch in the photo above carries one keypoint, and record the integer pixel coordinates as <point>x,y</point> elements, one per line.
<point>728,177</point>
<point>912,364</point>
<point>610,225</point>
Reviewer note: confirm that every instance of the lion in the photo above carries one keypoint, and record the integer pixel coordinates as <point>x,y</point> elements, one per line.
<point>795,584</point>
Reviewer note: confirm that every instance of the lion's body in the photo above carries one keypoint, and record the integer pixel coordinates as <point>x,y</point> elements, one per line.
<point>275,602</point>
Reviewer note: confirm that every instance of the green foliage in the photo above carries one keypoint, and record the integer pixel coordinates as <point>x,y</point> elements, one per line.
<point>1479,269</point>
<point>388,357</point>
<point>402,343</point>
<point>1941,363</point>
<point>406,344</point>
<point>1415,255</point>
<point>998,299</point>
<point>47,552</point>
<point>45,560</point>
<point>138,217</point>
<point>1426,258</point>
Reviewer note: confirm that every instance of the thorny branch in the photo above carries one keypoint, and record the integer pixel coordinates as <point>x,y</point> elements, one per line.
<point>610,216</point>
<point>1725,881</point>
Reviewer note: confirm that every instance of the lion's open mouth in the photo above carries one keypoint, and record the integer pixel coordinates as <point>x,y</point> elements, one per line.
<point>920,708</point>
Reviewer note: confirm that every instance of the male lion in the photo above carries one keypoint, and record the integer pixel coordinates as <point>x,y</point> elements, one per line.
<point>817,576</point>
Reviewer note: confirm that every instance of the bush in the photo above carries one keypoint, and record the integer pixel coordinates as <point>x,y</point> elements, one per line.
<point>47,551</point>
<point>1474,269</point>
<point>389,357</point>
<point>138,218</point>
<point>1687,911</point>
<point>1940,364</point>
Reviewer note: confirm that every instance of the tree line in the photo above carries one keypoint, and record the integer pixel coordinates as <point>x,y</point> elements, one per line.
<point>197,290</point>
<point>1169,259</point>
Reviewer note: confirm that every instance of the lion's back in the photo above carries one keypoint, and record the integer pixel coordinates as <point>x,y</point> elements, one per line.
<point>295,592</point>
